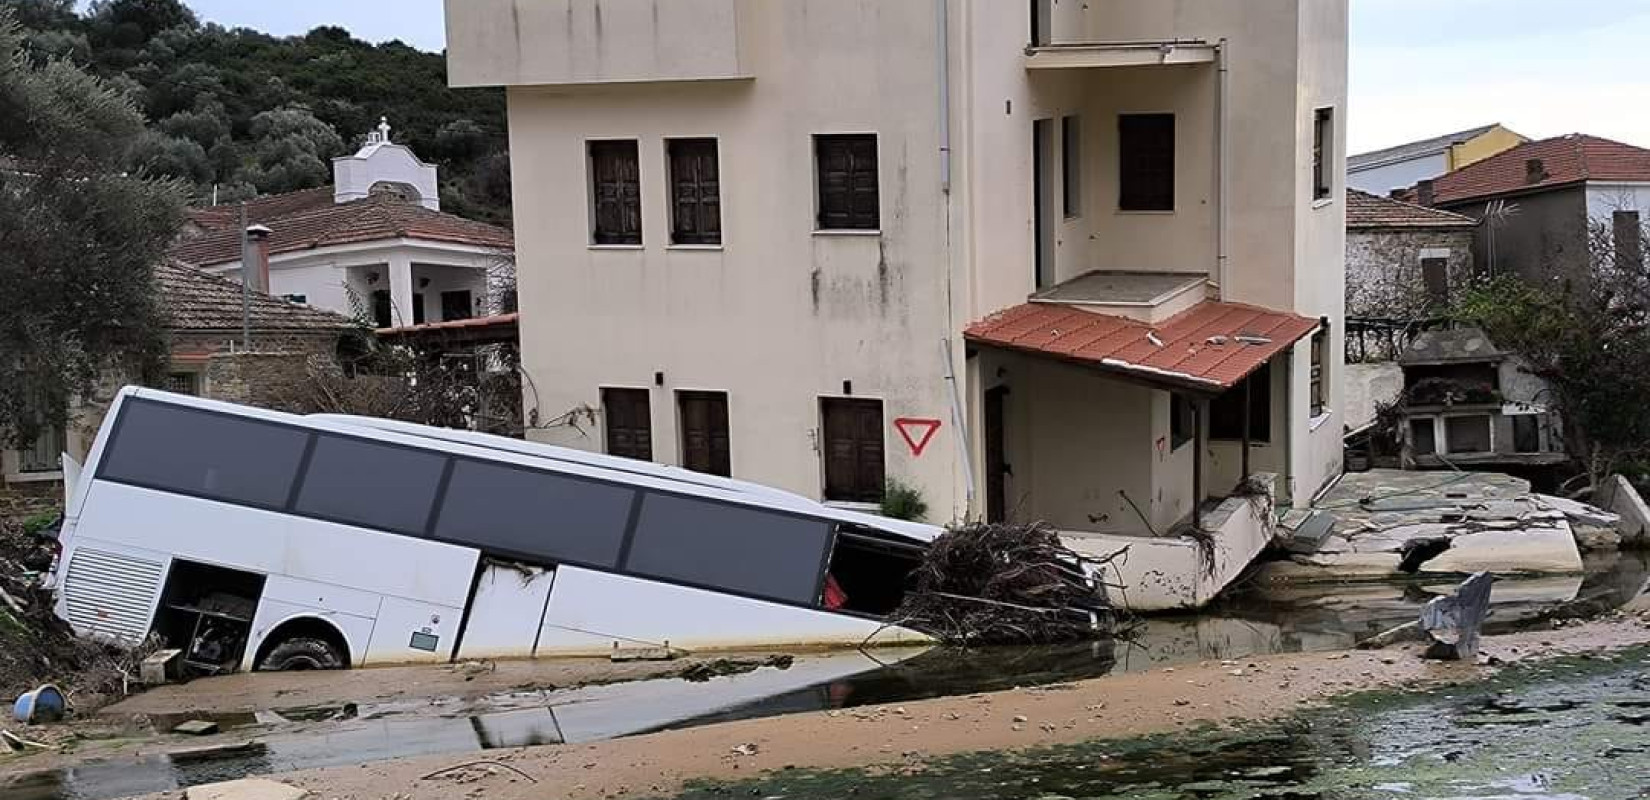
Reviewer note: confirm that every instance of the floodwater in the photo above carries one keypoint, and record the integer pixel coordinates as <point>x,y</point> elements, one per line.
<point>1568,730</point>
<point>1256,621</point>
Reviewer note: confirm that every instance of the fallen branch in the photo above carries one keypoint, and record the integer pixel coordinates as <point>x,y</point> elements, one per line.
<point>477,763</point>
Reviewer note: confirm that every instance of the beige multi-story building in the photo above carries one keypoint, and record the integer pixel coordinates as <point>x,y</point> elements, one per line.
<point>1079,262</point>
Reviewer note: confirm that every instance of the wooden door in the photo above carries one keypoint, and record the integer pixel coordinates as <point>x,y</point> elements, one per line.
<point>854,464</point>
<point>996,463</point>
<point>629,423</point>
<point>705,446</point>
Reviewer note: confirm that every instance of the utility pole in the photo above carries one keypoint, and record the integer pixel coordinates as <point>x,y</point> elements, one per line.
<point>246,283</point>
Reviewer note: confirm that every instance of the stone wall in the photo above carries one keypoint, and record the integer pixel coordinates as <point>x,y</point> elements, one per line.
<point>1383,270</point>
<point>256,379</point>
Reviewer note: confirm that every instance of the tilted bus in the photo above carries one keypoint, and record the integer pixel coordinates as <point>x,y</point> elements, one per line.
<point>256,539</point>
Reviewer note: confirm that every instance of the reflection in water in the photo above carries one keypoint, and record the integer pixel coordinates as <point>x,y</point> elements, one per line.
<point>1253,622</point>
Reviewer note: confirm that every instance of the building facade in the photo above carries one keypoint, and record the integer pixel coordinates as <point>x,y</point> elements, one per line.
<point>1401,167</point>
<point>374,245</point>
<point>1551,211</point>
<point>824,244</point>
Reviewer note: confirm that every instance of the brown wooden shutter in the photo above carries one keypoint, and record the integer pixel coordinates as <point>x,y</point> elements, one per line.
<point>1435,275</point>
<point>848,193</point>
<point>616,192</point>
<point>629,421</point>
<point>705,439</point>
<point>853,446</point>
<point>696,201</point>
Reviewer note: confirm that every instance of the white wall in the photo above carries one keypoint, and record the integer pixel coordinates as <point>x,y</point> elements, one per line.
<point>1399,175</point>
<point>778,316</point>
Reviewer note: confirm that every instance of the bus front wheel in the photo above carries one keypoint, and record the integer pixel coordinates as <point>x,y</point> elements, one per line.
<point>302,653</point>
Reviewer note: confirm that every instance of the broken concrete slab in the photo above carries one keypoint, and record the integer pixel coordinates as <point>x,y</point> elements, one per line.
<point>1390,523</point>
<point>246,789</point>
<point>1577,512</point>
<point>1453,623</point>
<point>1626,502</point>
<point>160,667</point>
<point>196,727</point>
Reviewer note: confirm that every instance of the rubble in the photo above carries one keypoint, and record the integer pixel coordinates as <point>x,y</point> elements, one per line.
<point>1007,584</point>
<point>37,646</point>
<point>1453,623</point>
<point>1389,523</point>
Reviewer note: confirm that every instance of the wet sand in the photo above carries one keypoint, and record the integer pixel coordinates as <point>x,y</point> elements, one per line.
<point>898,736</point>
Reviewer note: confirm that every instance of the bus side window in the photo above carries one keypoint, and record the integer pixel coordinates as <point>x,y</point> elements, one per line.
<point>382,486</point>
<point>537,515</point>
<point>204,454</point>
<point>734,548</point>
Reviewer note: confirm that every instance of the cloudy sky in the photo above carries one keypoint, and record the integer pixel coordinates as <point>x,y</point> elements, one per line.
<point>1419,67</point>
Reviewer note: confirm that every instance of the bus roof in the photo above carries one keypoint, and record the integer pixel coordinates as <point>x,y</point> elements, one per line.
<point>550,458</point>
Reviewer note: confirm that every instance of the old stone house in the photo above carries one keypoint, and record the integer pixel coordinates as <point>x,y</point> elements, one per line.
<point>210,354</point>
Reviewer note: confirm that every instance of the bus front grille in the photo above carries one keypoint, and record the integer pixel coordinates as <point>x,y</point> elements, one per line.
<point>111,595</point>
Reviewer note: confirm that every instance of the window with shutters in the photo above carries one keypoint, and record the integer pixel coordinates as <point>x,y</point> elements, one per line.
<point>1323,152</point>
<point>1320,341</point>
<point>704,423</point>
<point>851,438</point>
<point>1145,153</point>
<point>1071,166</point>
<point>629,422</point>
<point>1627,237</point>
<point>695,192</point>
<point>615,193</point>
<point>847,178</point>
<point>1435,275</point>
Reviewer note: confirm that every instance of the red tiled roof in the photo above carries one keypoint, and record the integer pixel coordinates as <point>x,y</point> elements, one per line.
<point>368,220</point>
<point>196,301</point>
<point>1565,160</point>
<point>1364,210</point>
<point>1199,347</point>
<point>262,209</point>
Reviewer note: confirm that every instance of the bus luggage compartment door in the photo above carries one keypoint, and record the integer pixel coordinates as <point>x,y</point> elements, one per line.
<point>506,610</point>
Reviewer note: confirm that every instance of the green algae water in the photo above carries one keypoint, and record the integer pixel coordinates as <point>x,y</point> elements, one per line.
<point>1577,729</point>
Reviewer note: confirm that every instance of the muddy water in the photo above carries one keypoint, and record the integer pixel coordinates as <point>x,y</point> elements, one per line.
<point>1572,730</point>
<point>1255,622</point>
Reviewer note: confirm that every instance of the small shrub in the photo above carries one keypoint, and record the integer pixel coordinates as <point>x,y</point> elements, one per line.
<point>40,522</point>
<point>903,501</point>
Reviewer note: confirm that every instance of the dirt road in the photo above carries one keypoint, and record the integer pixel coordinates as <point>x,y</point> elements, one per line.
<point>1111,707</point>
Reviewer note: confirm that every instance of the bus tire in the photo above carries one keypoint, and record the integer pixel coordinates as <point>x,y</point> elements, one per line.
<point>302,653</point>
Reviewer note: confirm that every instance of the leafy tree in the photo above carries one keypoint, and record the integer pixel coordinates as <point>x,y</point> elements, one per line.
<point>293,150</point>
<point>79,237</point>
<point>1590,341</point>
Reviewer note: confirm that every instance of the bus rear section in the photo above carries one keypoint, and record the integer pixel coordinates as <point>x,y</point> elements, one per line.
<point>254,539</point>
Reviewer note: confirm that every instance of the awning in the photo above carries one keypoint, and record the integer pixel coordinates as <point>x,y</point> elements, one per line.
<point>1210,347</point>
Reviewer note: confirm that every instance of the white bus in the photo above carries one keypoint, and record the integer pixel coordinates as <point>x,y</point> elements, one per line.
<point>253,539</point>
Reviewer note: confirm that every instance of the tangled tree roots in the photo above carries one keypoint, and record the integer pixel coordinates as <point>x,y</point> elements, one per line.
<point>1007,584</point>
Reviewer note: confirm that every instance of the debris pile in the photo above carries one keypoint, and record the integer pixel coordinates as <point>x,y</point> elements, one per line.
<point>36,646</point>
<point>1007,584</point>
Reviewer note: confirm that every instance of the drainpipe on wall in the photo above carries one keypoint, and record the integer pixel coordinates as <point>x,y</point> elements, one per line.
<point>1222,172</point>
<point>959,418</point>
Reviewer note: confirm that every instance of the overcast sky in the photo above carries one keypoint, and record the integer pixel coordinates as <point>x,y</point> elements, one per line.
<point>1419,67</point>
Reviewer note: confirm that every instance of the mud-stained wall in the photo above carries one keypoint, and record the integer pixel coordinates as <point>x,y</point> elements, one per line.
<point>779,315</point>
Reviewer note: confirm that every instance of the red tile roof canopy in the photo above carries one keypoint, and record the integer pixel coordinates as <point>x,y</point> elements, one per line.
<point>1565,160</point>
<point>1209,347</point>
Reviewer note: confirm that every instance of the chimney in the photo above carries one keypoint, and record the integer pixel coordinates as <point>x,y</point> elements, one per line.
<point>1535,171</point>
<point>258,236</point>
<point>1424,193</point>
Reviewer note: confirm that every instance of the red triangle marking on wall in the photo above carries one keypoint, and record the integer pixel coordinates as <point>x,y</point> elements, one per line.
<point>917,433</point>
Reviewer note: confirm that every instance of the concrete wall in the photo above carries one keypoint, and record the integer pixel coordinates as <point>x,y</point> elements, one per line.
<point>1541,239</point>
<point>1400,174</point>
<point>1368,386</point>
<point>1383,269</point>
<point>778,316</point>
<point>547,42</point>
<point>1495,140</point>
